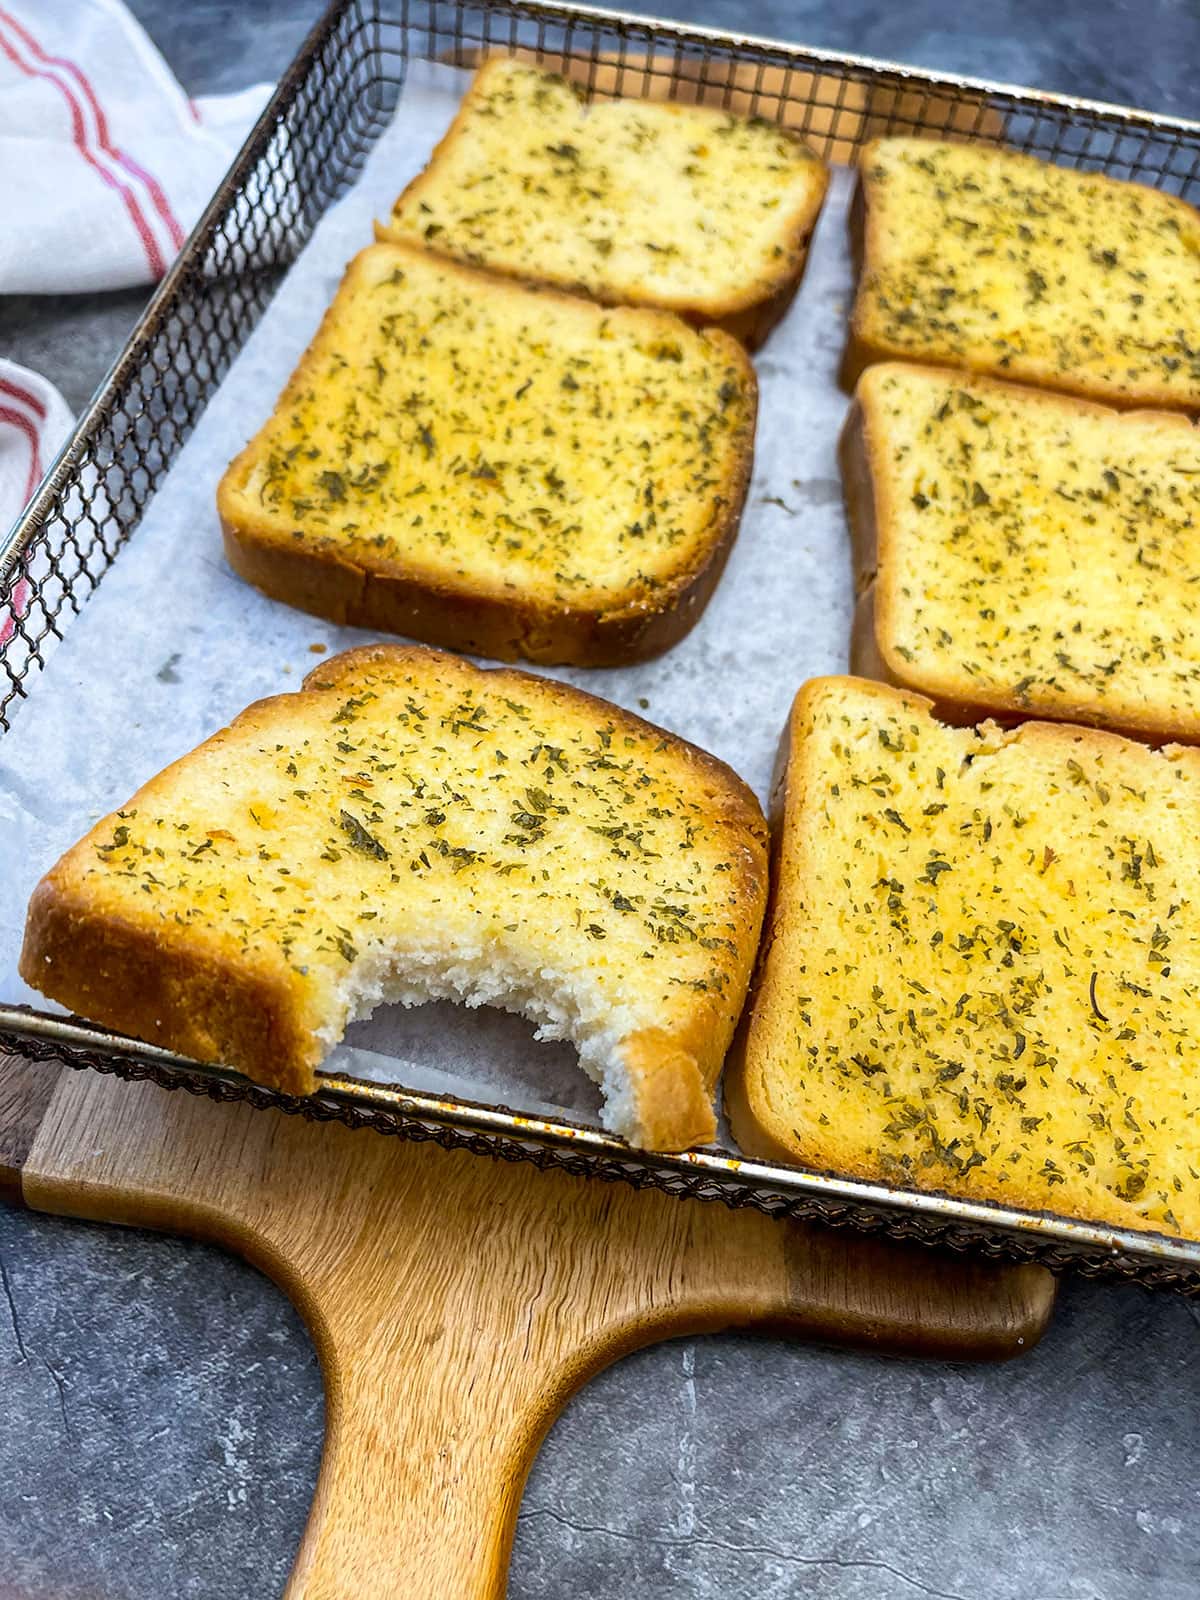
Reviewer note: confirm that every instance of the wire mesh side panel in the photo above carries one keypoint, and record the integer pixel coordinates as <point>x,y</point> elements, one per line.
<point>332,105</point>
<point>835,103</point>
<point>890,1222</point>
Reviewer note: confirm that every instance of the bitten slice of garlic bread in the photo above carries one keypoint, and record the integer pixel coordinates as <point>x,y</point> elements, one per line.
<point>981,258</point>
<point>505,471</point>
<point>409,827</point>
<point>1025,554</point>
<point>980,970</point>
<point>630,201</point>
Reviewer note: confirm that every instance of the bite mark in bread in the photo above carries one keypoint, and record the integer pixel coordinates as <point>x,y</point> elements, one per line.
<point>410,827</point>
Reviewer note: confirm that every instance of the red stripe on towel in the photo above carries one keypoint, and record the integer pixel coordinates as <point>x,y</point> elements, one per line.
<point>154,255</point>
<point>158,198</point>
<point>25,396</point>
<point>21,591</point>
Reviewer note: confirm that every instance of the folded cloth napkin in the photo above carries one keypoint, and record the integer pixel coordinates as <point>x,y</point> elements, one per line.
<point>34,422</point>
<point>105,163</point>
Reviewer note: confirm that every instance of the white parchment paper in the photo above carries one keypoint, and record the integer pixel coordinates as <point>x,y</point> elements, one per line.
<point>173,645</point>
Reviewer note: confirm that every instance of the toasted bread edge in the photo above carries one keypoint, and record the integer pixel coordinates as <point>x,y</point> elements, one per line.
<point>747,317</point>
<point>870,521</point>
<point>170,988</point>
<point>467,616</point>
<point>864,349</point>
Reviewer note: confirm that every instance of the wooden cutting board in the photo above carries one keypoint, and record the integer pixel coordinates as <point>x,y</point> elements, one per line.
<point>457,1302</point>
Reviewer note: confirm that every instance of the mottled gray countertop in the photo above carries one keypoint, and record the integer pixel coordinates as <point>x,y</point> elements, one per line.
<point>160,1405</point>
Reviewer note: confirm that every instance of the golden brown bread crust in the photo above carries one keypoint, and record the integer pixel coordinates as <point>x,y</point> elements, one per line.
<point>673,1087</point>
<point>750,324</point>
<point>476,624</point>
<point>755,1122</point>
<point>858,353</point>
<point>674,1075</point>
<point>190,991</point>
<point>468,619</point>
<point>168,988</point>
<point>752,1135</point>
<point>870,528</point>
<point>162,990</point>
<point>861,351</point>
<point>737,798</point>
<point>858,489</point>
<point>463,613</point>
<point>748,317</point>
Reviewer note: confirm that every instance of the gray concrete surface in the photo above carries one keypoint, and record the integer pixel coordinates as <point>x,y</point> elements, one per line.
<point>160,1406</point>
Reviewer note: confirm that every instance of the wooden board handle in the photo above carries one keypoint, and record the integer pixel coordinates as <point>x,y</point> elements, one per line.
<point>433,1438</point>
<point>456,1302</point>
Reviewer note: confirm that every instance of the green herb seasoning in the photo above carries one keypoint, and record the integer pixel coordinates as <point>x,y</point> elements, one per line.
<point>984,258</point>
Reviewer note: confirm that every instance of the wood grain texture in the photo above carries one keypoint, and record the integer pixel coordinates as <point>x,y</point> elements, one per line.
<point>457,1302</point>
<point>26,1089</point>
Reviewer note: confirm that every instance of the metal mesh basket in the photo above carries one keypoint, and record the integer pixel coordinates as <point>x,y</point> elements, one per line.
<point>305,151</point>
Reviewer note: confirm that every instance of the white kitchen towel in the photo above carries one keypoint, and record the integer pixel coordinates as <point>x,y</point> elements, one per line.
<point>105,163</point>
<point>34,422</point>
